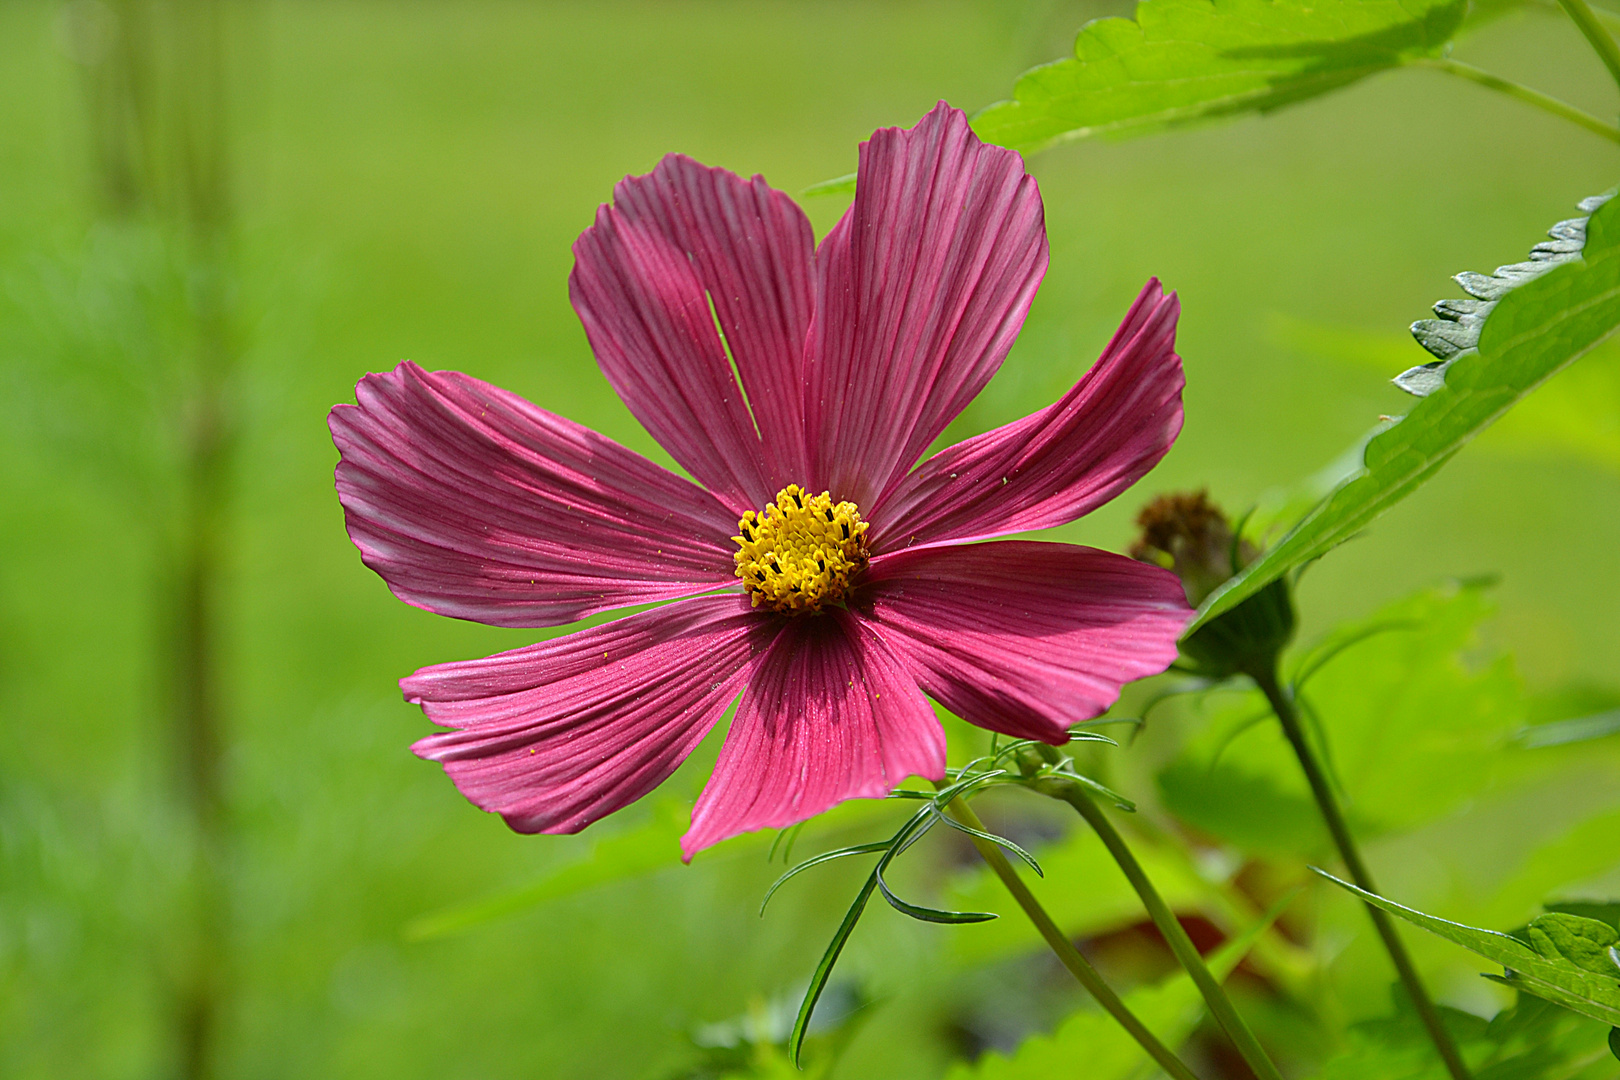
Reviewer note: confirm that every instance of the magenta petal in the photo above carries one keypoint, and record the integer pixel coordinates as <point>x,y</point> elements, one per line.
<point>828,715</point>
<point>556,735</point>
<point>471,502</point>
<point>1022,637</point>
<point>920,291</point>
<point>643,280</point>
<point>1061,462</point>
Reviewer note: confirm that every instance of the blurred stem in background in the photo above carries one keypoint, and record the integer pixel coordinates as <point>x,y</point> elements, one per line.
<point>1175,935</point>
<point>1060,944</point>
<point>1282,703</point>
<point>1601,40</point>
<point>156,90</point>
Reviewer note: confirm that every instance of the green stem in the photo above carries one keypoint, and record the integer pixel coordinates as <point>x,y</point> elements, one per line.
<point>1186,953</point>
<point>1519,92</point>
<point>1600,40</point>
<point>1283,705</point>
<point>1060,944</point>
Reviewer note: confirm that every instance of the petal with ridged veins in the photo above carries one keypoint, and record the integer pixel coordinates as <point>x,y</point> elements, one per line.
<point>471,502</point>
<point>920,291</point>
<point>1022,637</point>
<point>670,244</point>
<point>557,735</point>
<point>829,715</point>
<point>1057,464</point>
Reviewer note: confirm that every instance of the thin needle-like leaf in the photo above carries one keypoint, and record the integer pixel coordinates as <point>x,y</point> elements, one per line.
<point>818,860</point>
<point>994,839</point>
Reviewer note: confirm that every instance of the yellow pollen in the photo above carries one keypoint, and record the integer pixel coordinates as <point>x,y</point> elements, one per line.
<point>802,552</point>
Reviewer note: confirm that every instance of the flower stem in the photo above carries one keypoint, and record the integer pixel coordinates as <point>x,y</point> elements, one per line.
<point>1283,705</point>
<point>1544,102</point>
<point>1078,965</point>
<point>1186,953</point>
<point>1602,43</point>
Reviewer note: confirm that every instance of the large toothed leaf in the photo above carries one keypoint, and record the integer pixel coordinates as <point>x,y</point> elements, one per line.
<point>1569,960</point>
<point>1182,61</point>
<point>1540,322</point>
<point>1533,1040</point>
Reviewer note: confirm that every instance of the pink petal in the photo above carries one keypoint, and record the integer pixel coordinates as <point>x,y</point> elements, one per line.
<point>828,715</point>
<point>920,291</point>
<point>1021,637</point>
<point>1057,464</point>
<point>556,735</point>
<point>644,276</point>
<point>471,502</point>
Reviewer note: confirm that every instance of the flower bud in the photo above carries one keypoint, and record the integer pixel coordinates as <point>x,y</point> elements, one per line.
<point>1188,534</point>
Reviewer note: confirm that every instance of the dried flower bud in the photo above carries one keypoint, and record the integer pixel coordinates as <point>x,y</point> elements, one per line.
<point>1188,534</point>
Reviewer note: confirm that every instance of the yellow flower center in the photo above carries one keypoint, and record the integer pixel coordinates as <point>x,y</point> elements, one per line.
<point>802,552</point>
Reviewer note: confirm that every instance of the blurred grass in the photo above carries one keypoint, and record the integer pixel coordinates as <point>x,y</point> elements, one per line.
<point>410,177</point>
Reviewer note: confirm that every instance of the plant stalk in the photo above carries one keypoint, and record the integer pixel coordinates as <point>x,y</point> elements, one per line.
<point>1078,965</point>
<point>1283,705</point>
<point>1175,935</point>
<point>1519,92</point>
<point>1580,12</point>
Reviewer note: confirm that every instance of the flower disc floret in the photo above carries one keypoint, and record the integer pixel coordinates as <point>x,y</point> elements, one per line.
<point>801,553</point>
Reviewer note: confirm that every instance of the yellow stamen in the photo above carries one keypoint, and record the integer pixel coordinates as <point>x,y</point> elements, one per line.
<point>802,552</point>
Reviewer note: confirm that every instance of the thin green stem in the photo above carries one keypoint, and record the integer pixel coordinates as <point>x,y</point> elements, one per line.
<point>1060,944</point>
<point>1545,102</point>
<point>1601,41</point>
<point>1186,953</point>
<point>1283,705</point>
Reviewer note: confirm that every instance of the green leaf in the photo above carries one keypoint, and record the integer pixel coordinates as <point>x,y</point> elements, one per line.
<point>1560,967</point>
<point>1540,322</point>
<point>1414,725</point>
<point>1533,1040</point>
<point>643,849</point>
<point>1106,902</point>
<point>1583,851</point>
<point>838,185</point>
<point>1579,729</point>
<point>1183,61</point>
<point>1093,1039</point>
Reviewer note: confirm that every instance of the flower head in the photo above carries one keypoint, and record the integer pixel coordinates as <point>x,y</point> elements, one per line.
<point>813,567</point>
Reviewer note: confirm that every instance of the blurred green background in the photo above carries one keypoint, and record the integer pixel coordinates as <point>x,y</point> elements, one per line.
<point>406,179</point>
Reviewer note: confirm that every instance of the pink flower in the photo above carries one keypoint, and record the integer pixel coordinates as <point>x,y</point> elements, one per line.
<point>859,592</point>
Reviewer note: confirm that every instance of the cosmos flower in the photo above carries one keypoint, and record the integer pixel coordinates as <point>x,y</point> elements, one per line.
<point>810,568</point>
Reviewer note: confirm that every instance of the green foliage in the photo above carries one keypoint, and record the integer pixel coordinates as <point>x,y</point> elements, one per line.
<point>1579,729</point>
<point>1533,1040</point>
<point>632,852</point>
<point>1411,730</point>
<point>1538,326</point>
<point>1568,960</point>
<point>1182,61</point>
<point>1092,1038</point>
<point>1105,902</point>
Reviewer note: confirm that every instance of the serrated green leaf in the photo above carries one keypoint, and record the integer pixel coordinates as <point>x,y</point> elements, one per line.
<point>1537,328</point>
<point>1170,1009</point>
<point>1533,1040</point>
<point>1555,977</point>
<point>1586,943</point>
<point>1182,61</point>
